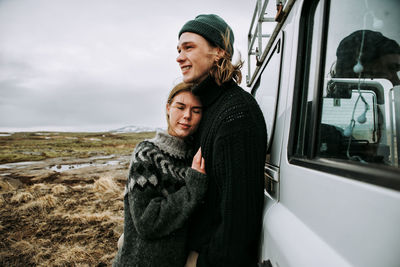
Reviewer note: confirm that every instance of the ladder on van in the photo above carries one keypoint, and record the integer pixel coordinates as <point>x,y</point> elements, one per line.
<point>256,35</point>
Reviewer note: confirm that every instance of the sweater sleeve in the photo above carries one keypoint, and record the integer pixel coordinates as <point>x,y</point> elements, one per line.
<point>239,157</point>
<point>156,214</point>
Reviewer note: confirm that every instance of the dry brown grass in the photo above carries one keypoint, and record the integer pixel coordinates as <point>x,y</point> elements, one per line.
<point>59,189</point>
<point>42,203</point>
<point>105,184</point>
<point>21,197</point>
<point>23,247</point>
<point>61,225</point>
<point>67,221</point>
<point>5,186</point>
<point>67,254</point>
<point>86,217</point>
<point>48,201</point>
<point>69,203</point>
<point>39,189</point>
<point>80,187</point>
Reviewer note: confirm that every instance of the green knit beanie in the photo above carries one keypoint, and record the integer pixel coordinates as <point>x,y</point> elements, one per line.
<point>212,28</point>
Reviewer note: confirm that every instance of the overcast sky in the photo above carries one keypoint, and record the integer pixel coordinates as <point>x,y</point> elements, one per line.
<point>96,64</point>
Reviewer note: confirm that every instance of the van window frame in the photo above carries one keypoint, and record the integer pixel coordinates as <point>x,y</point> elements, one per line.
<point>375,174</point>
<point>277,50</point>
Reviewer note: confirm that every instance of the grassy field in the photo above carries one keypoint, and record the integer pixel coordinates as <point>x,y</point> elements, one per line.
<point>33,146</point>
<point>71,218</point>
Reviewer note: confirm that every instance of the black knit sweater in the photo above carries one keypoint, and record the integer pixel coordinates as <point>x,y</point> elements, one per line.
<point>160,194</point>
<point>232,135</point>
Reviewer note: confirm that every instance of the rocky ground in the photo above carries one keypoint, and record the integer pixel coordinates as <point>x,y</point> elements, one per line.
<point>62,211</point>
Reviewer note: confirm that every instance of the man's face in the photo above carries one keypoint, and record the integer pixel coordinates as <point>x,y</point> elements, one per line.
<point>196,57</point>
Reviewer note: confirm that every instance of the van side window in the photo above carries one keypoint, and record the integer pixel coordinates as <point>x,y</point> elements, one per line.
<point>346,115</point>
<point>358,118</point>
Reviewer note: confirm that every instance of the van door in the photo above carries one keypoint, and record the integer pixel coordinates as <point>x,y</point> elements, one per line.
<point>338,163</point>
<point>266,92</point>
<point>340,185</point>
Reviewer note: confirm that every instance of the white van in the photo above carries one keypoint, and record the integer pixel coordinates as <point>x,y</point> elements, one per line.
<point>326,75</point>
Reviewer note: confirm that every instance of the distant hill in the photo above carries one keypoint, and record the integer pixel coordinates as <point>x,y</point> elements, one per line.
<point>137,129</point>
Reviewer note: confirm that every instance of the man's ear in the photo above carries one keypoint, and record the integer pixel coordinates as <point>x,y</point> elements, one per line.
<point>167,107</point>
<point>220,53</point>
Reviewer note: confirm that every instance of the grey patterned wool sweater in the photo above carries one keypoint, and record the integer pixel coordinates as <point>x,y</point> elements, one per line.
<point>160,194</point>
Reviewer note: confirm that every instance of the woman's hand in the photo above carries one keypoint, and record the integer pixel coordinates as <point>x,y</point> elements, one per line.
<point>192,259</point>
<point>198,162</point>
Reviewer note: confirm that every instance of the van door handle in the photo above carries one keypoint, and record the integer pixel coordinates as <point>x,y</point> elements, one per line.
<point>266,263</point>
<point>271,175</point>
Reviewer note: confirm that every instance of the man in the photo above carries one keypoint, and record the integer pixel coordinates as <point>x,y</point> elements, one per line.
<point>225,230</point>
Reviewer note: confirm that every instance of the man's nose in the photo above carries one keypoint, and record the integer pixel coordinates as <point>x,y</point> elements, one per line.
<point>180,57</point>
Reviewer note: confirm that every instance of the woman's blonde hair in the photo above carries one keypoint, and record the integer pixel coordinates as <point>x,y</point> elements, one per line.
<point>223,70</point>
<point>179,88</point>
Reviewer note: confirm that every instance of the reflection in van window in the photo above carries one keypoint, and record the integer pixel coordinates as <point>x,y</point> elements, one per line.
<point>361,98</point>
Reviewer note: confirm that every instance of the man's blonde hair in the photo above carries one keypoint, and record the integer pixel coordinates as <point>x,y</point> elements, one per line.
<point>223,70</point>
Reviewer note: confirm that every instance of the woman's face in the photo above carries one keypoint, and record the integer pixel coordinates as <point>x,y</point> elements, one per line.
<point>196,57</point>
<point>184,115</point>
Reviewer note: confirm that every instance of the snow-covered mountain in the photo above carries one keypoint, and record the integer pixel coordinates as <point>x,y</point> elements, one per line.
<point>136,129</point>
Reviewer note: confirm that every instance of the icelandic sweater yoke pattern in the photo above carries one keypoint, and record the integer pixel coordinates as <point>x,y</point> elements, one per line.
<point>171,145</point>
<point>163,152</point>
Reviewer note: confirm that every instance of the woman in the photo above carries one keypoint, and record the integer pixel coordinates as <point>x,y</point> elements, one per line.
<point>161,190</point>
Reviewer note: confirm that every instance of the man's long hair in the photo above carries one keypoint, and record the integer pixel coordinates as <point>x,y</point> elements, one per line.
<point>223,69</point>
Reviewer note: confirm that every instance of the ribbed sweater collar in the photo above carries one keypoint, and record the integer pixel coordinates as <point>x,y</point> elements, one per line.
<point>208,91</point>
<point>171,145</point>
